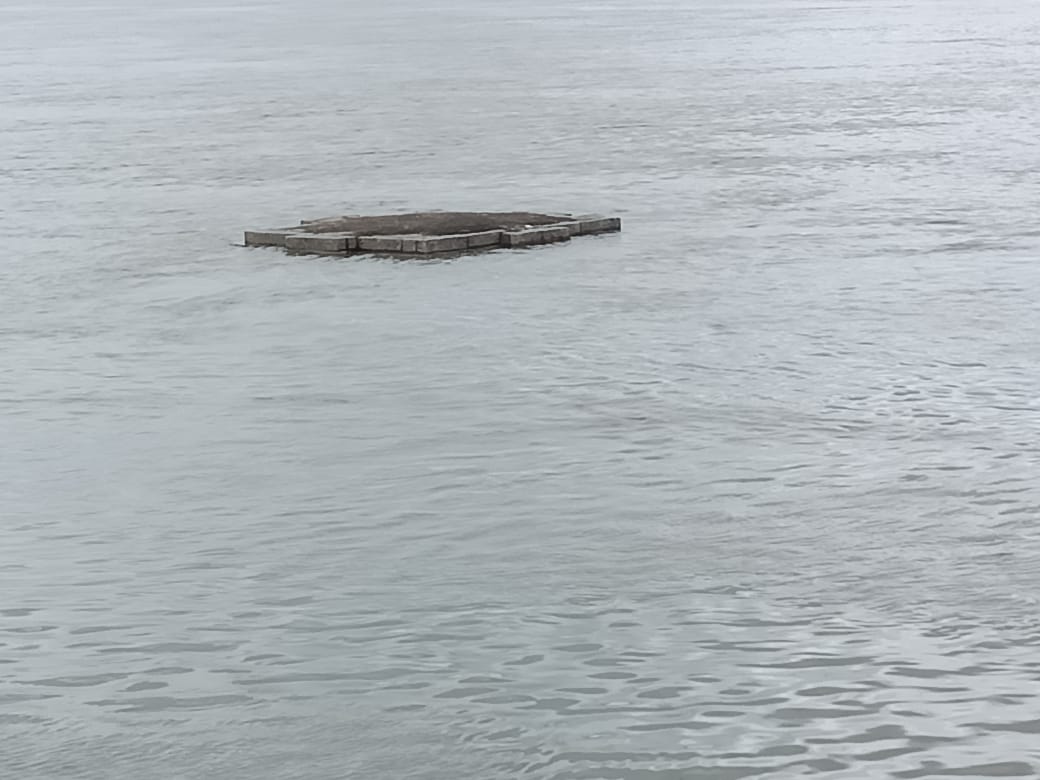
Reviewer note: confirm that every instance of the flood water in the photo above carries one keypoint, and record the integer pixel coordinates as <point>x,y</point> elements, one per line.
<point>749,489</point>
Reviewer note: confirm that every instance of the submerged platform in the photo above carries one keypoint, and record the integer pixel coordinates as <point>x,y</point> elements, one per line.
<point>429,233</point>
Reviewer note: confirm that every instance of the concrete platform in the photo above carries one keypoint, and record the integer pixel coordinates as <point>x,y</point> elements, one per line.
<point>430,233</point>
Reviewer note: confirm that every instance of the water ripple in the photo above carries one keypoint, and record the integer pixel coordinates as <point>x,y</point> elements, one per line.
<point>746,490</point>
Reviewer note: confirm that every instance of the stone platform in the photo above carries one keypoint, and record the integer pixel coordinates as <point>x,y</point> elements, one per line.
<point>429,233</point>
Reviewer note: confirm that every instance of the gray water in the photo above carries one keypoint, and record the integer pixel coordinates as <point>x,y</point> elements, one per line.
<point>746,490</point>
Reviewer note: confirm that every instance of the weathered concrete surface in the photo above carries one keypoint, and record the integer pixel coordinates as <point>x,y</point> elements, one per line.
<point>486,238</point>
<point>320,242</point>
<point>432,223</point>
<point>429,246</point>
<point>428,233</point>
<point>380,243</point>
<point>590,224</point>
<point>533,236</point>
<point>267,237</point>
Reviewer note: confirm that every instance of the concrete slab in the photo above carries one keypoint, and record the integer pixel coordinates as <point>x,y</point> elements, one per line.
<point>380,243</point>
<point>434,223</point>
<point>594,224</point>
<point>434,232</point>
<point>574,226</point>
<point>485,239</point>
<point>535,236</point>
<point>410,244</point>
<point>433,245</point>
<point>267,237</point>
<point>320,242</point>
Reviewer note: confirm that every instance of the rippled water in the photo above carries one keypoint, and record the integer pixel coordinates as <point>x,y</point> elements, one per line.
<point>749,489</point>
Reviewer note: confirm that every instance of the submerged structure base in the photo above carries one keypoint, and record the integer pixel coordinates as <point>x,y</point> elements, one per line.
<point>429,233</point>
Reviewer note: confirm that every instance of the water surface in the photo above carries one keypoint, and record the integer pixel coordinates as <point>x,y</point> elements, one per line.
<point>746,490</point>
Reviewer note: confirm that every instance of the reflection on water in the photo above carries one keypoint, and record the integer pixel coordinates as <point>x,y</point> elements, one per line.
<point>748,489</point>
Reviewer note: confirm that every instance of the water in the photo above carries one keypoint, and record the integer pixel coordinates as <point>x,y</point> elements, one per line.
<point>746,490</point>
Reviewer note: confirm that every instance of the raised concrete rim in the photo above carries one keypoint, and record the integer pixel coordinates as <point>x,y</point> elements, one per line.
<point>299,239</point>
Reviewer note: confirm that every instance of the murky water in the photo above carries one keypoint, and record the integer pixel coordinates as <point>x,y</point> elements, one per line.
<point>749,489</point>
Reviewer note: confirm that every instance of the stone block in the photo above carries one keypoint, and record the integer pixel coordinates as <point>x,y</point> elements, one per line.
<point>538,235</point>
<point>320,242</point>
<point>574,226</point>
<point>266,237</point>
<point>380,243</point>
<point>485,239</point>
<point>434,244</point>
<point>595,224</point>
